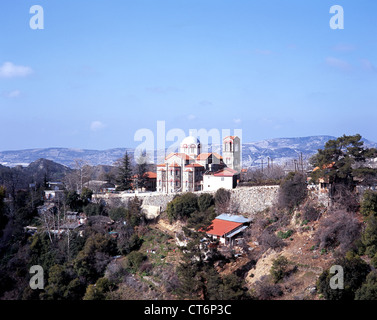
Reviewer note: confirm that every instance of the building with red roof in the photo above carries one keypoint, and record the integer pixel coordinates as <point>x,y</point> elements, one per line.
<point>185,171</point>
<point>226,227</point>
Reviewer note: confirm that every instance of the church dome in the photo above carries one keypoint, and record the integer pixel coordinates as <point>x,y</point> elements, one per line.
<point>190,146</point>
<point>190,140</point>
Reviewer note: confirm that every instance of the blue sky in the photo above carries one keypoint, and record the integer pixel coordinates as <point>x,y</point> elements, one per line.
<point>100,70</point>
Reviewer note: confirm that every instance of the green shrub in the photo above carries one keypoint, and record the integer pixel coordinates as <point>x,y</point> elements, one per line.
<point>369,203</point>
<point>134,261</point>
<point>182,206</point>
<point>355,271</point>
<point>279,268</point>
<point>205,200</point>
<point>285,235</point>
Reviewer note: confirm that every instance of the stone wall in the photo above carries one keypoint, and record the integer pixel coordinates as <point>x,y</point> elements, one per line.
<point>250,200</point>
<point>244,200</point>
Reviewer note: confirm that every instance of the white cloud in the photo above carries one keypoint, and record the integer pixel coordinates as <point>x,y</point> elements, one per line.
<point>11,94</point>
<point>338,63</point>
<point>191,117</point>
<point>10,70</point>
<point>96,125</point>
<point>238,120</point>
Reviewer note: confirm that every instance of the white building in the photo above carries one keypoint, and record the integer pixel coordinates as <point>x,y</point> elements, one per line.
<point>225,178</point>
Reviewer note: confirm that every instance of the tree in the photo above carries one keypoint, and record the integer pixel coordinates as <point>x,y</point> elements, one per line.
<point>222,200</point>
<point>141,170</point>
<point>3,217</point>
<point>279,268</point>
<point>134,261</point>
<point>182,206</point>
<point>342,160</point>
<point>368,291</point>
<point>135,213</point>
<point>369,236</point>
<point>369,203</point>
<point>205,200</point>
<point>99,290</point>
<point>355,271</point>
<point>292,191</point>
<point>86,196</point>
<point>124,178</point>
<point>118,214</point>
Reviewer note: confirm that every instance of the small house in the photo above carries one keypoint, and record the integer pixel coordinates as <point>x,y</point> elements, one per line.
<point>226,228</point>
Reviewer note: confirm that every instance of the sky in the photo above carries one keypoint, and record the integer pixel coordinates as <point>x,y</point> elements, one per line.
<point>101,70</point>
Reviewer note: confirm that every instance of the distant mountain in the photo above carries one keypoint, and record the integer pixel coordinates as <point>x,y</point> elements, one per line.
<point>281,151</point>
<point>36,172</point>
<point>284,151</point>
<point>65,156</point>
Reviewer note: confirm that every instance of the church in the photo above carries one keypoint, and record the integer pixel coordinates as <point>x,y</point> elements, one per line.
<point>190,170</point>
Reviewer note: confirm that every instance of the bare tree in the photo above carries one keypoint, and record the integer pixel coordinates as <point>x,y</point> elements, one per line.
<point>82,174</point>
<point>338,228</point>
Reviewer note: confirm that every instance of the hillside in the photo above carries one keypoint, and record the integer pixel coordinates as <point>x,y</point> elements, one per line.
<point>281,150</point>
<point>36,172</point>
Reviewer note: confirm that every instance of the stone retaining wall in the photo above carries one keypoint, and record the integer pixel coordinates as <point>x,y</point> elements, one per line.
<point>244,200</point>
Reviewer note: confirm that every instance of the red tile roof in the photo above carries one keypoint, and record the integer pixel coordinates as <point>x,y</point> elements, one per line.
<point>226,172</point>
<point>174,165</point>
<point>196,165</point>
<point>178,154</point>
<point>204,156</point>
<point>221,227</point>
<point>151,175</point>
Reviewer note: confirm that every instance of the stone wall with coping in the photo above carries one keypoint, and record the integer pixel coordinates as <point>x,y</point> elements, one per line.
<point>244,200</point>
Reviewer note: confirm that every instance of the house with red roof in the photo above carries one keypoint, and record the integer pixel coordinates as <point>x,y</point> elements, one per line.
<point>227,228</point>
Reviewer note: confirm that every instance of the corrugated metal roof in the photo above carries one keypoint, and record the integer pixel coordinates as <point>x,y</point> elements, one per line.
<point>230,235</point>
<point>232,217</point>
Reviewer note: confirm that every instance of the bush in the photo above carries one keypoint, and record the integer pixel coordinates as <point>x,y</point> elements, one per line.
<point>310,213</point>
<point>134,261</point>
<point>99,290</point>
<point>266,290</point>
<point>268,239</point>
<point>285,235</point>
<point>279,268</point>
<point>118,214</point>
<point>182,206</point>
<point>205,200</point>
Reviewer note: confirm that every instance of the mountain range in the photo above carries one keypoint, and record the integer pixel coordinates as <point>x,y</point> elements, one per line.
<point>282,151</point>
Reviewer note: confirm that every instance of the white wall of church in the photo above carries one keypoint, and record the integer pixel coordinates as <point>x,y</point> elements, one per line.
<point>213,183</point>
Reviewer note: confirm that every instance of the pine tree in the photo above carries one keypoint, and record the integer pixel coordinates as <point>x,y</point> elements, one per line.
<point>142,167</point>
<point>125,171</point>
<point>342,160</point>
